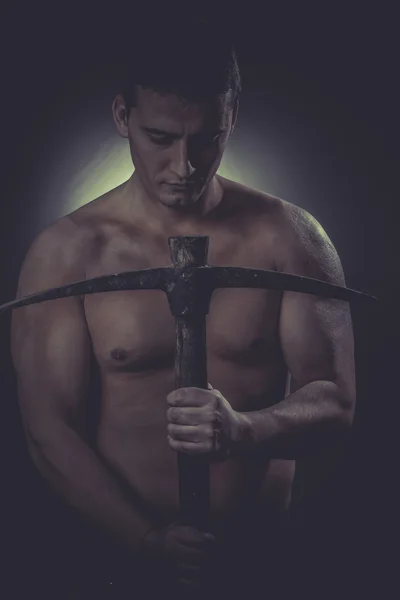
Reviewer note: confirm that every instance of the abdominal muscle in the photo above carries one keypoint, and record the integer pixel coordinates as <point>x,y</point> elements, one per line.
<point>132,438</point>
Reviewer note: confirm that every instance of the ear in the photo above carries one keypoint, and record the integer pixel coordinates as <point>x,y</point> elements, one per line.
<point>120,115</point>
<point>234,115</point>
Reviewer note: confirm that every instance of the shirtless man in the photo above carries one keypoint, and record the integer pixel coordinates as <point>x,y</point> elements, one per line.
<point>126,483</point>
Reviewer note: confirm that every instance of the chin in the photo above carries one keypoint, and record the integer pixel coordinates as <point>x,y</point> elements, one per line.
<point>179,200</point>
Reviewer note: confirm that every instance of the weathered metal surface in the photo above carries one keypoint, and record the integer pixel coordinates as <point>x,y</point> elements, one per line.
<point>200,280</point>
<point>146,279</point>
<point>230,277</point>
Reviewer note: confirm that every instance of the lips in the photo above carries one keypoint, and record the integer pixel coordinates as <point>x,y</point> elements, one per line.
<point>181,185</point>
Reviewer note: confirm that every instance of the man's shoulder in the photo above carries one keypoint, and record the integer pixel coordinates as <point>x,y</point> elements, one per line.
<point>273,210</point>
<point>299,243</point>
<point>250,201</point>
<point>60,250</point>
<point>51,257</point>
<point>66,241</point>
<point>60,242</point>
<point>305,248</point>
<point>269,211</point>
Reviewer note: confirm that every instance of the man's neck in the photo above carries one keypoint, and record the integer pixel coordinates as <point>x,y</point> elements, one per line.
<point>164,218</point>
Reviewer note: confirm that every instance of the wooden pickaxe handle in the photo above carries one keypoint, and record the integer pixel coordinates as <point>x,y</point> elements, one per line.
<point>191,371</point>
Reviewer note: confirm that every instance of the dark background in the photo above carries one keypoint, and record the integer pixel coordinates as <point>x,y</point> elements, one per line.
<point>319,126</point>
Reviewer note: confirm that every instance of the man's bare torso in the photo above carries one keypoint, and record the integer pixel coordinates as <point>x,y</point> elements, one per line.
<point>133,339</point>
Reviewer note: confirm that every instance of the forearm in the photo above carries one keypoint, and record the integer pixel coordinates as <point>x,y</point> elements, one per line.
<point>311,419</point>
<point>75,472</point>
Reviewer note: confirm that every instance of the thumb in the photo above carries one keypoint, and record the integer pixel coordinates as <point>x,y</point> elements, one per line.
<point>209,386</point>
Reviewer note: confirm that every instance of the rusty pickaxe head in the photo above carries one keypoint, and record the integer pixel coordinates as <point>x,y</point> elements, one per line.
<point>190,282</point>
<point>189,285</point>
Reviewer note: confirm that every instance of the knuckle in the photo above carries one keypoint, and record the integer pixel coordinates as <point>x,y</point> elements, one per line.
<point>174,415</point>
<point>198,435</point>
<point>182,394</point>
<point>194,418</point>
<point>192,398</point>
<point>202,436</point>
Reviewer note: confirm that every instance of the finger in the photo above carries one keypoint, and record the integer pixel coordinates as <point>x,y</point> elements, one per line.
<point>207,543</point>
<point>190,415</point>
<point>187,534</point>
<point>189,396</point>
<point>193,448</point>
<point>189,555</point>
<point>186,537</point>
<point>190,433</point>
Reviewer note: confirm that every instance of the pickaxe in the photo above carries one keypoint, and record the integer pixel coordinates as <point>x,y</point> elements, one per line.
<point>189,285</point>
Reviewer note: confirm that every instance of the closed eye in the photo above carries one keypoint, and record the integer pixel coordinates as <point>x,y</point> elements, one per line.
<point>160,139</point>
<point>165,140</point>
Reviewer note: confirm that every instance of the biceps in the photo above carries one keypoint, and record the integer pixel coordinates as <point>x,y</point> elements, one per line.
<point>317,340</point>
<point>51,353</point>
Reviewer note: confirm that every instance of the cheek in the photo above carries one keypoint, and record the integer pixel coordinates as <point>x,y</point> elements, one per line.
<point>148,160</point>
<point>211,159</point>
<point>207,158</point>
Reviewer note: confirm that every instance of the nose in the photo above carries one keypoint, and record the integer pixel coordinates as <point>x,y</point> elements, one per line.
<point>180,164</point>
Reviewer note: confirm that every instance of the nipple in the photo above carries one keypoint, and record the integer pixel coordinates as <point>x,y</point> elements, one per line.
<point>119,354</point>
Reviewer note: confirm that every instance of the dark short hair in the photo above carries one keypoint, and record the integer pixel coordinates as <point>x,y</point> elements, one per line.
<point>195,59</point>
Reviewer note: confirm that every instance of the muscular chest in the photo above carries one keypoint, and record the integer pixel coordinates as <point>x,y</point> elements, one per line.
<point>134,331</point>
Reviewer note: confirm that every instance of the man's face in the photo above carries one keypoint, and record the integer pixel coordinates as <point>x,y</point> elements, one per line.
<point>177,147</point>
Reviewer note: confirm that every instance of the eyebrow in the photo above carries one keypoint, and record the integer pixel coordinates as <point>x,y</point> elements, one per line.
<point>177,135</point>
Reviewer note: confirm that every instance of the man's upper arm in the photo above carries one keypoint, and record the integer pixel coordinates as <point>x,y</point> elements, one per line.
<point>316,333</point>
<point>50,341</point>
